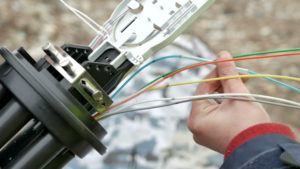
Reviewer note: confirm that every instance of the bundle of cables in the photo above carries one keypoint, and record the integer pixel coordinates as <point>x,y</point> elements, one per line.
<point>102,32</point>
<point>236,96</point>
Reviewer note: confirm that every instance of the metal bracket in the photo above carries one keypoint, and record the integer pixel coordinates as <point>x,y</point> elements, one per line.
<point>80,79</point>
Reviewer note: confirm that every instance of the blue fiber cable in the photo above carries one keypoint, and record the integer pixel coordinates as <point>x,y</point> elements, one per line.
<point>141,69</point>
<point>197,59</point>
<point>276,81</point>
<point>254,73</point>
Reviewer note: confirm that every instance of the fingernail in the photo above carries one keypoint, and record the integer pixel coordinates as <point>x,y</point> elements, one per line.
<point>212,101</point>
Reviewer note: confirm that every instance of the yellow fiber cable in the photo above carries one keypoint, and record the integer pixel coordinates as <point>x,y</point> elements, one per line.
<point>226,78</point>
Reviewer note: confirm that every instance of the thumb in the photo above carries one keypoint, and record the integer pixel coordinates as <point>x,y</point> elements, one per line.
<point>203,107</point>
<point>229,69</point>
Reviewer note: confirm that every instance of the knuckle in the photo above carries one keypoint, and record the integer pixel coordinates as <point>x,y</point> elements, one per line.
<point>196,139</point>
<point>201,105</point>
<point>210,108</point>
<point>227,71</point>
<point>204,107</point>
<point>238,86</point>
<point>194,127</point>
<point>191,124</point>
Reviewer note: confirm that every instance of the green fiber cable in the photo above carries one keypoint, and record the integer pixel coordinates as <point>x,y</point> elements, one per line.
<point>237,56</point>
<point>162,76</point>
<point>267,52</point>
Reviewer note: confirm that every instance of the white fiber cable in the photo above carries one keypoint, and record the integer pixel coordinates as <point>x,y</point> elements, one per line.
<point>86,19</point>
<point>214,96</point>
<point>190,100</point>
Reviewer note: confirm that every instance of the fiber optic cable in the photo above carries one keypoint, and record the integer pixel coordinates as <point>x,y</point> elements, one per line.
<point>210,95</point>
<point>135,95</point>
<point>101,118</point>
<point>206,60</point>
<point>255,73</point>
<point>184,101</point>
<point>86,19</point>
<point>229,60</point>
<point>267,52</point>
<point>147,65</point>
<point>275,81</point>
<point>241,70</point>
<point>226,78</point>
<point>234,96</point>
<point>168,75</point>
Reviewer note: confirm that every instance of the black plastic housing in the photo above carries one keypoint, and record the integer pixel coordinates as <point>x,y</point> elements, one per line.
<point>44,121</point>
<point>29,91</point>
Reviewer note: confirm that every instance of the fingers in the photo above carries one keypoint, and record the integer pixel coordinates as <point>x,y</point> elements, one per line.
<point>202,107</point>
<point>245,80</point>
<point>226,86</point>
<point>209,87</point>
<point>229,69</point>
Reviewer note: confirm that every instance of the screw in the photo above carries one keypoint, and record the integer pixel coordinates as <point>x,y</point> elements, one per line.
<point>95,93</point>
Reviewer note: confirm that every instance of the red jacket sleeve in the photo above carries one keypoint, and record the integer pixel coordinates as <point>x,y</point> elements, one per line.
<point>255,131</point>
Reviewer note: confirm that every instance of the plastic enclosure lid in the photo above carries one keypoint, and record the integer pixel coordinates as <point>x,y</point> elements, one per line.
<point>139,28</point>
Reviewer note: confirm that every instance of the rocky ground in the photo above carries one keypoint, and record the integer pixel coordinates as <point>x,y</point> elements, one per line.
<point>239,26</point>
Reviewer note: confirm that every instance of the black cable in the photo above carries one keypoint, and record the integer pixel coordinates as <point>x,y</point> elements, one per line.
<point>12,118</point>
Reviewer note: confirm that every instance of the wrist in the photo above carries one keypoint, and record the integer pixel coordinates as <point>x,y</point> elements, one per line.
<point>257,130</point>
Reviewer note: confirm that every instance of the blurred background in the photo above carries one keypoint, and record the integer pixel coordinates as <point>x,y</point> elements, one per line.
<point>239,26</point>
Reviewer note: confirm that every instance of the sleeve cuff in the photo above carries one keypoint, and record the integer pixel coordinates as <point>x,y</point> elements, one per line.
<point>257,130</point>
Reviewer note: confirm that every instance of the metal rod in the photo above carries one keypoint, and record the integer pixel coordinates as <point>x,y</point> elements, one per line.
<point>37,155</point>
<point>61,160</point>
<point>13,117</point>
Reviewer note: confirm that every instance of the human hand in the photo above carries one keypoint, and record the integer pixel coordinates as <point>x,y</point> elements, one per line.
<point>215,125</point>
